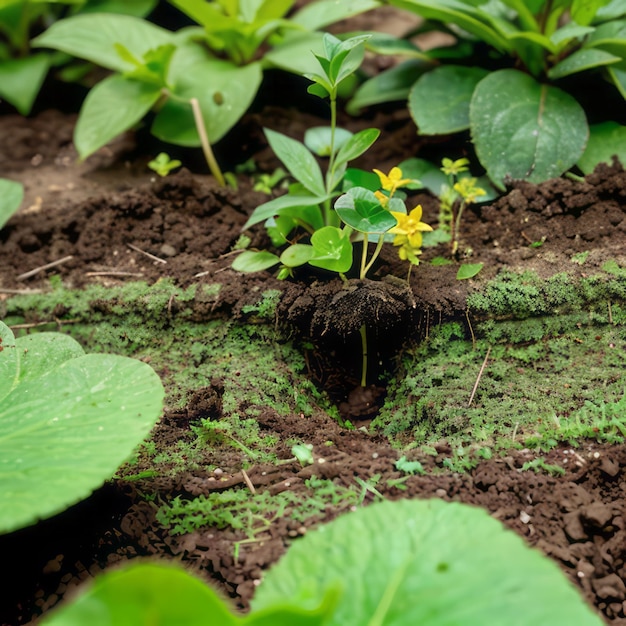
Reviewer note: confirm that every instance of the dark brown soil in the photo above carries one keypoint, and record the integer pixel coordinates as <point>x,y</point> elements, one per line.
<point>105,214</point>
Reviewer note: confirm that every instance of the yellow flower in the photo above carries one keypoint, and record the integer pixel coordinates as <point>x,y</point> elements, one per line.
<point>390,182</point>
<point>382,198</point>
<point>409,228</point>
<point>467,189</point>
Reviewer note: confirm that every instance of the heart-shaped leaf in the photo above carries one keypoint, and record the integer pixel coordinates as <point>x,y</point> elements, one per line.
<point>333,250</point>
<point>360,209</point>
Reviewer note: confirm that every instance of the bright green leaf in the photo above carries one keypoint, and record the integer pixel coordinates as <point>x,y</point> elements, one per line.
<point>355,177</point>
<point>276,206</point>
<point>468,270</point>
<point>21,80</point>
<point>440,564</point>
<point>254,261</point>
<point>333,250</point>
<point>606,140</point>
<point>297,254</point>
<point>113,106</point>
<point>93,37</point>
<point>440,100</point>
<point>316,15</point>
<point>318,139</point>
<point>361,210</point>
<point>11,196</point>
<point>145,593</point>
<point>525,130</point>
<point>67,424</point>
<point>581,60</point>
<point>357,145</point>
<point>298,160</point>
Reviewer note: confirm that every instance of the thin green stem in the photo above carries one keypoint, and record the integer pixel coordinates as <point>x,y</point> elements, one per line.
<point>363,333</point>
<point>363,257</point>
<point>204,141</point>
<point>457,228</point>
<point>379,246</point>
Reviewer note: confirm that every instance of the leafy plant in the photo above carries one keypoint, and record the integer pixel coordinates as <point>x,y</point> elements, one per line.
<point>515,98</point>
<point>11,196</point>
<point>163,164</point>
<point>316,231</point>
<point>22,72</point>
<point>425,562</point>
<point>199,81</point>
<point>67,421</point>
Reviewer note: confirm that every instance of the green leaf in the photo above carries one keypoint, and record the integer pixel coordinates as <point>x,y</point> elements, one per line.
<point>387,44</point>
<point>277,206</point>
<point>618,76</point>
<point>298,160</point>
<point>69,421</point>
<point>524,130</point>
<point>113,106</point>
<point>355,177</point>
<point>468,270</point>
<point>223,100</point>
<point>296,53</point>
<point>440,100</point>
<point>254,261</point>
<point>610,36</point>
<point>360,209</point>
<point>318,139</point>
<point>297,254</point>
<point>429,175</point>
<point>583,11</point>
<point>145,593</point>
<point>358,144</point>
<point>333,250</point>
<point>11,196</point>
<point>581,60</point>
<point>606,140</point>
<point>93,37</point>
<point>425,562</point>
<point>316,15</point>
<point>391,85</point>
<point>21,80</point>
<point>9,362</point>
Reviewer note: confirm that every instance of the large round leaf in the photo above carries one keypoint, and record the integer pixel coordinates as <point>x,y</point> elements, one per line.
<point>67,422</point>
<point>522,129</point>
<point>430,563</point>
<point>440,99</point>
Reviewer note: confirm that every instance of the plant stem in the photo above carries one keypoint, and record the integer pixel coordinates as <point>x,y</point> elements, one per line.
<point>379,247</point>
<point>457,228</point>
<point>329,218</point>
<point>363,333</point>
<point>206,146</point>
<point>363,257</point>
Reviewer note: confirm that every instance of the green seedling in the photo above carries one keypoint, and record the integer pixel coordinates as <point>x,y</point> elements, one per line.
<point>424,572</point>
<point>67,422</point>
<point>162,164</point>
<point>11,196</point>
<point>524,118</point>
<point>23,71</point>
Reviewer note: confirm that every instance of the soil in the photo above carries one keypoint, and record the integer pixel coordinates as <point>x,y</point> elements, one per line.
<point>110,220</point>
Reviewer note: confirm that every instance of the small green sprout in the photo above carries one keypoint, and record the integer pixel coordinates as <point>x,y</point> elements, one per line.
<point>163,164</point>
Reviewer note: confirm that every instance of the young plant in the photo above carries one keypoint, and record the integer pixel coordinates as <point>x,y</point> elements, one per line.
<point>198,81</point>
<point>22,72</point>
<point>162,164</point>
<point>524,123</point>
<point>67,422</point>
<point>442,564</point>
<point>11,196</point>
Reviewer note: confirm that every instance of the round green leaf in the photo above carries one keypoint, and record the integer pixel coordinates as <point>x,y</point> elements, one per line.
<point>254,261</point>
<point>431,563</point>
<point>333,250</point>
<point>63,433</point>
<point>468,270</point>
<point>317,139</point>
<point>606,140</point>
<point>522,129</point>
<point>440,99</point>
<point>224,92</point>
<point>360,209</point>
<point>297,254</point>
<point>145,593</point>
<point>11,196</point>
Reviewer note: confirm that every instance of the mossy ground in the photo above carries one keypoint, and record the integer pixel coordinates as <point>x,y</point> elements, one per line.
<point>554,373</point>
